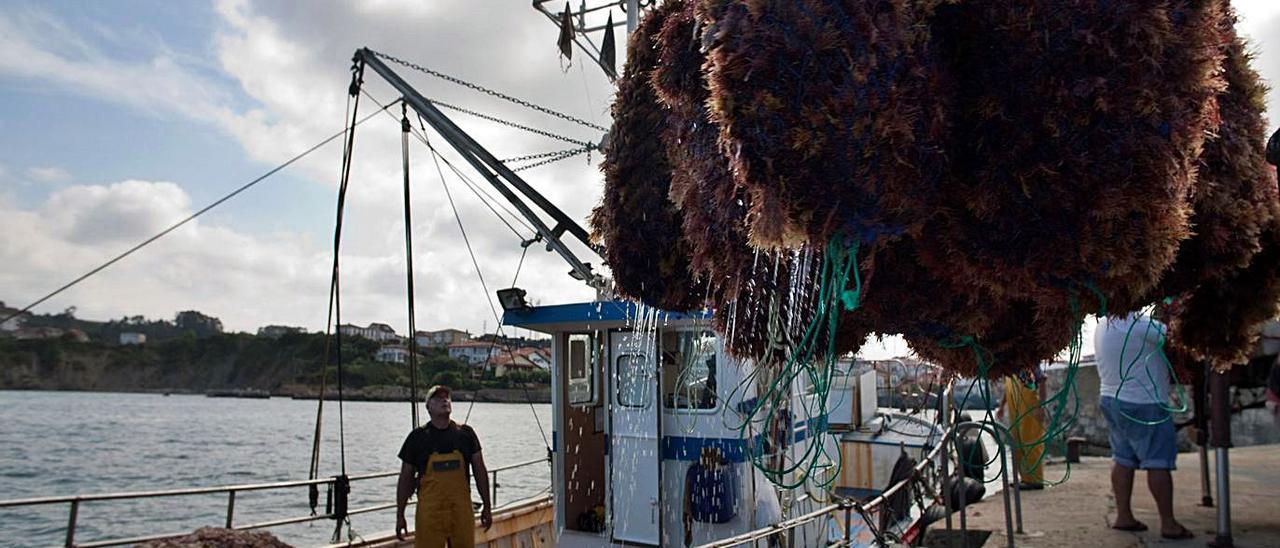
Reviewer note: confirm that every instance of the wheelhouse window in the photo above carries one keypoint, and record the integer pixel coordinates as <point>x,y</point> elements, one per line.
<point>633,380</point>
<point>582,356</point>
<point>689,369</point>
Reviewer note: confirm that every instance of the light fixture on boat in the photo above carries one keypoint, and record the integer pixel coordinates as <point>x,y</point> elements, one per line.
<point>512,300</point>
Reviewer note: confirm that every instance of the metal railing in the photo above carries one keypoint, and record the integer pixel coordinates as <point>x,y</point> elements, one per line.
<point>75,501</point>
<point>848,507</point>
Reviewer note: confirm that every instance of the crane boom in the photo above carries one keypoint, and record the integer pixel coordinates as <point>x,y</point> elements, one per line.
<point>495,172</point>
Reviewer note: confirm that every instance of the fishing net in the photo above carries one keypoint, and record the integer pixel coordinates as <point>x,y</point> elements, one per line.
<point>1076,126</point>
<point>825,114</point>
<point>638,224</point>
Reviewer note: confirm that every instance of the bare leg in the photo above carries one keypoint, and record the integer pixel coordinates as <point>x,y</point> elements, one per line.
<point>1161,484</point>
<point>1122,487</point>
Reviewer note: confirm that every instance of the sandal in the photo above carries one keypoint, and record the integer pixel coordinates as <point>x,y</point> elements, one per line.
<point>1181,535</point>
<point>1136,527</point>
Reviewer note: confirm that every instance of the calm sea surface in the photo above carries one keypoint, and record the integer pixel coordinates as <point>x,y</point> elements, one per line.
<point>65,443</point>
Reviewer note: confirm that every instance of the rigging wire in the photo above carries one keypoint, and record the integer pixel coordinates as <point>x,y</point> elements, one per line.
<point>476,189</point>
<point>189,218</point>
<point>488,91</point>
<point>435,156</point>
<point>341,484</point>
<point>405,127</point>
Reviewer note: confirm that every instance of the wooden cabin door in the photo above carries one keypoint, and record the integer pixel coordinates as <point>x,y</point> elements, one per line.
<point>634,453</point>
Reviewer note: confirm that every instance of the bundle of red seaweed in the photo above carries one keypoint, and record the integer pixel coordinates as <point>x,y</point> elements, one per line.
<point>637,223</point>
<point>825,114</point>
<point>975,176</point>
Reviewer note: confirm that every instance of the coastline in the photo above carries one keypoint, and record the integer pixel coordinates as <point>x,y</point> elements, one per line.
<point>371,394</point>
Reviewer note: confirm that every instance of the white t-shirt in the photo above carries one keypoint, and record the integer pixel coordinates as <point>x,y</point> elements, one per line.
<point>1130,367</point>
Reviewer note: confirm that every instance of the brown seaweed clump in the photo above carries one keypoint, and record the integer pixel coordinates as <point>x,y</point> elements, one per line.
<point>960,328</point>
<point>1020,335</point>
<point>825,114</point>
<point>1076,128</point>
<point>1235,191</point>
<point>637,223</point>
<point>1218,321</point>
<point>213,537</point>
<point>762,300</point>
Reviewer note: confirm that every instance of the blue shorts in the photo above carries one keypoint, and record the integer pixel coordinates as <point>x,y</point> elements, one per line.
<point>1134,442</point>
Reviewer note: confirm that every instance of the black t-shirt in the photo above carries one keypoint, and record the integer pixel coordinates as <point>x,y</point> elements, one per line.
<point>427,439</point>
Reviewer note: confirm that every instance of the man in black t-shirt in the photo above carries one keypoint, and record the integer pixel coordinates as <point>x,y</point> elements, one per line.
<point>439,459</point>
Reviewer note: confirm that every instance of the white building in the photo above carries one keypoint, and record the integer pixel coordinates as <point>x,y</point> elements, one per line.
<point>379,332</point>
<point>392,353</point>
<point>13,324</point>
<point>474,352</point>
<point>540,357</point>
<point>133,338</point>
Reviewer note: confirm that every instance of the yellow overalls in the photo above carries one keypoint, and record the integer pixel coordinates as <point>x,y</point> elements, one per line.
<point>1021,403</point>
<point>443,512</point>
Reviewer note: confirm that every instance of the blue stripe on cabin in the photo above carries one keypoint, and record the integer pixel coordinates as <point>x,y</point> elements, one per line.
<point>603,311</point>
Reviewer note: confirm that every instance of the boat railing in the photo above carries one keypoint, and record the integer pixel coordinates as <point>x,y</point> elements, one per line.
<point>74,503</point>
<point>864,509</point>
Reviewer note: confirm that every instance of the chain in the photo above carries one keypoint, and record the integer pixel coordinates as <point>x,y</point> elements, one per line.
<point>490,92</point>
<point>541,155</point>
<point>509,123</point>
<point>562,155</point>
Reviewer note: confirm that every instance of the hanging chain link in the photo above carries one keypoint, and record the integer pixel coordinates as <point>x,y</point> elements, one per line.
<point>541,155</point>
<point>562,155</point>
<point>496,120</point>
<point>490,92</point>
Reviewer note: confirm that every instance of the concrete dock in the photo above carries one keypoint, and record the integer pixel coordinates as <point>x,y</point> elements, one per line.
<point>1079,512</point>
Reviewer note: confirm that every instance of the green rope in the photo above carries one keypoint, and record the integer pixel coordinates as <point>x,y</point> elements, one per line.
<point>806,361</point>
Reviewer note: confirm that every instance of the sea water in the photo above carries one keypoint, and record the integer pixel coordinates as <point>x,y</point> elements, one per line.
<point>67,443</point>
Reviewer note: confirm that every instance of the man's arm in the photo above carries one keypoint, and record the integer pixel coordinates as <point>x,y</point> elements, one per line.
<point>481,474</point>
<point>404,488</point>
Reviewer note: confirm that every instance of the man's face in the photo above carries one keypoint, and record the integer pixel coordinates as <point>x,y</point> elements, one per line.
<point>439,406</point>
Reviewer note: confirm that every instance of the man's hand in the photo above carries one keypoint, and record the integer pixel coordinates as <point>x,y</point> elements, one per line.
<point>486,517</point>
<point>402,527</point>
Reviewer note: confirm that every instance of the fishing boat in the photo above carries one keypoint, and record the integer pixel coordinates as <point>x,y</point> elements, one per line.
<point>660,437</point>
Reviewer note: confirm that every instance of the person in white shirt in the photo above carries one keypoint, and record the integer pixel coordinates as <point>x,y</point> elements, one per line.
<point>1134,380</point>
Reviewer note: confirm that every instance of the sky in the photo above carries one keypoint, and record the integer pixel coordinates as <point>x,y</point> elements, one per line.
<point>119,118</point>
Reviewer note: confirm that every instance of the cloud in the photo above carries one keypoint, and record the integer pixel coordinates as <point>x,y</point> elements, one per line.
<point>38,46</point>
<point>124,212</point>
<point>49,174</point>
<point>246,279</point>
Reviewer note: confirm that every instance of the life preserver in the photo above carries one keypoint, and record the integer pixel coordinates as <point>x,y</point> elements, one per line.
<point>443,513</point>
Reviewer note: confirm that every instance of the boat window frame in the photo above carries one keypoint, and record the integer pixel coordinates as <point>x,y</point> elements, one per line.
<point>716,355</point>
<point>591,363</point>
<point>627,381</point>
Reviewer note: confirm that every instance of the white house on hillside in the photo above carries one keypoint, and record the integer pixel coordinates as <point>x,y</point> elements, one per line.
<point>392,353</point>
<point>474,352</point>
<point>379,332</point>
<point>540,357</point>
<point>133,338</point>
<point>14,323</point>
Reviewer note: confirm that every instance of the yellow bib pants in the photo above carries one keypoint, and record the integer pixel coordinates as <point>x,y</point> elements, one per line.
<point>443,514</point>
